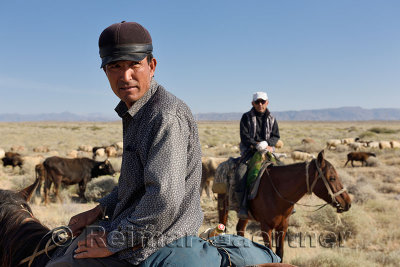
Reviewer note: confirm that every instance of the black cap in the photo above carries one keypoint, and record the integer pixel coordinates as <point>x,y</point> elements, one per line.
<point>124,41</point>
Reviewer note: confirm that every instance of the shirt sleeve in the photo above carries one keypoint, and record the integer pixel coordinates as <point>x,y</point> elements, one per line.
<point>274,137</point>
<point>109,202</point>
<point>164,180</point>
<point>245,135</point>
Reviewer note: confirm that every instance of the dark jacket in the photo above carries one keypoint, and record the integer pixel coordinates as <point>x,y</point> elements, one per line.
<point>256,127</point>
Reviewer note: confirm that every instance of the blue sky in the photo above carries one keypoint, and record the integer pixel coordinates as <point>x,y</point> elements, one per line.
<point>211,54</point>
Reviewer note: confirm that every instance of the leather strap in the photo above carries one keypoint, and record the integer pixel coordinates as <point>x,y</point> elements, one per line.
<point>116,50</point>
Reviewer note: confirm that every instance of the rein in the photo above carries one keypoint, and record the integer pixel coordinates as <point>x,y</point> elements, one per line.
<point>309,190</point>
<point>58,231</point>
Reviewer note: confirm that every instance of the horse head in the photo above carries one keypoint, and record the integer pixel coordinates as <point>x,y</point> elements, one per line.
<point>328,186</point>
<point>17,225</point>
<point>16,204</point>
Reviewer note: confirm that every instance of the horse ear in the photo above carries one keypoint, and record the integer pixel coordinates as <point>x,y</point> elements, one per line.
<point>321,159</point>
<point>26,193</point>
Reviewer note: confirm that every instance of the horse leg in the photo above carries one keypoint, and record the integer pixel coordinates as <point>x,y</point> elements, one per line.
<point>280,240</point>
<point>241,226</point>
<point>266,235</point>
<point>223,205</point>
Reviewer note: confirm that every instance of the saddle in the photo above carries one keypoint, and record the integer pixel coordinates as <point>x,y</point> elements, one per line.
<point>225,180</point>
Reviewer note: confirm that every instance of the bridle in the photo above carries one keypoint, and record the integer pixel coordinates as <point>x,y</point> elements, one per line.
<point>310,189</point>
<point>55,233</point>
<point>326,183</point>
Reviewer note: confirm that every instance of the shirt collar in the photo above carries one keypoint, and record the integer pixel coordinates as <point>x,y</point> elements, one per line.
<point>122,109</point>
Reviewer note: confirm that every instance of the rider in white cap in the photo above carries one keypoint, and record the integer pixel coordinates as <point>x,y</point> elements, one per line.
<point>258,132</point>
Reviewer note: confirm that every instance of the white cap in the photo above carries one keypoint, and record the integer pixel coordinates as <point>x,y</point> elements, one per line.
<point>260,95</point>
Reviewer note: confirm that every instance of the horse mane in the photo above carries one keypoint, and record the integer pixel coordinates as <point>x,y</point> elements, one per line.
<point>20,232</point>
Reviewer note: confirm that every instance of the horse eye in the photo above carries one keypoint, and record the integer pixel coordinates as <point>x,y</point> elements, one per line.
<point>332,179</point>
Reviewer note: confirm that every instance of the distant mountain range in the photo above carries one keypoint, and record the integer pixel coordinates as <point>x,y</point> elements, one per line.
<point>63,116</point>
<point>332,114</point>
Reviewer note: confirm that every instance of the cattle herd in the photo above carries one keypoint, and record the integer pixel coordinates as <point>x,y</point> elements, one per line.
<point>77,168</point>
<point>73,169</point>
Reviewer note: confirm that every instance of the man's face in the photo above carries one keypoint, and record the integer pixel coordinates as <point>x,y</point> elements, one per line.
<point>260,105</point>
<point>130,80</point>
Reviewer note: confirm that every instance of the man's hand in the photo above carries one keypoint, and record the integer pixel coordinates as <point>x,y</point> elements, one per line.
<point>267,149</point>
<point>270,149</point>
<point>81,220</point>
<point>94,246</point>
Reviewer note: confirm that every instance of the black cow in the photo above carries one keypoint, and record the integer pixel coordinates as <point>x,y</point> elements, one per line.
<point>73,171</point>
<point>13,159</point>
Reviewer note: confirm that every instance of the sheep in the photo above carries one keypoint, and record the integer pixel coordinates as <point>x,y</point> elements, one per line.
<point>73,154</point>
<point>299,155</point>
<point>373,144</point>
<point>111,151</point>
<point>99,153</point>
<point>279,144</point>
<point>355,146</point>
<point>395,144</point>
<point>41,149</point>
<point>307,141</point>
<point>384,144</point>
<point>349,140</point>
<point>358,156</point>
<point>85,148</point>
<point>17,148</point>
<point>118,145</point>
<point>333,143</point>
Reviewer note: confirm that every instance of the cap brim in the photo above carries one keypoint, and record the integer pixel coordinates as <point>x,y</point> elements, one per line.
<point>133,57</point>
<point>262,98</point>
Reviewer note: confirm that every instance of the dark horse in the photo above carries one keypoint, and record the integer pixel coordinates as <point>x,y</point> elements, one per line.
<point>280,188</point>
<point>22,235</point>
<point>24,240</point>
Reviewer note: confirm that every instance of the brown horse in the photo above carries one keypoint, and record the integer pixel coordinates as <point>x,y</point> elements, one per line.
<point>24,240</point>
<point>280,188</point>
<point>22,235</point>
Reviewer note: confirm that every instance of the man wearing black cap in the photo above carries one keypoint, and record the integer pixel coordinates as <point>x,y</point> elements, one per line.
<point>157,200</point>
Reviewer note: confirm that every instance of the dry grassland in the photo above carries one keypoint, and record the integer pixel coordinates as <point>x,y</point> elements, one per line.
<point>370,230</point>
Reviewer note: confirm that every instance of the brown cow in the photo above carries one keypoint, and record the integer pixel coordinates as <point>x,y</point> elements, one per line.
<point>40,172</point>
<point>73,171</point>
<point>13,159</point>
<point>358,156</point>
<point>209,166</point>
